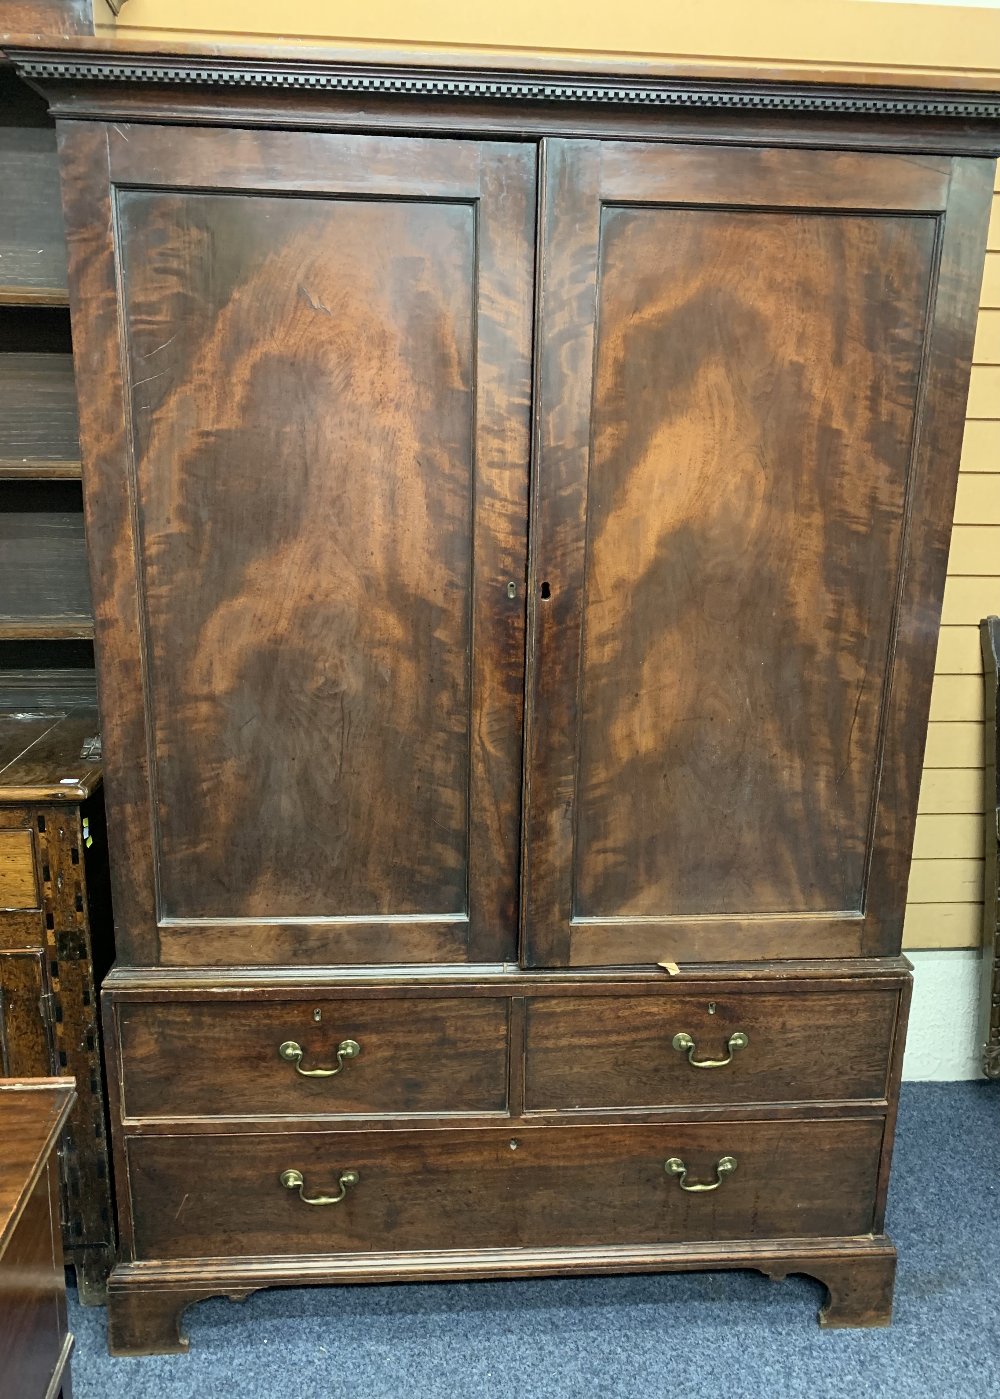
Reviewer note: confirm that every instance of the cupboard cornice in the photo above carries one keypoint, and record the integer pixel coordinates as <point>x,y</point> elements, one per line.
<point>502,85</point>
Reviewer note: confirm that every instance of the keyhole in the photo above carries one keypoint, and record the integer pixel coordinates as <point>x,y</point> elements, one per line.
<point>546,591</point>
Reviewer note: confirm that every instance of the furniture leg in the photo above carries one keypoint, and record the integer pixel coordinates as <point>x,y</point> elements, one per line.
<point>859,1288</point>
<point>92,1266</point>
<point>147,1321</point>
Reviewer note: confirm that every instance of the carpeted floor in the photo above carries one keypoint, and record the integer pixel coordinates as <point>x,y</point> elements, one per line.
<point>680,1336</point>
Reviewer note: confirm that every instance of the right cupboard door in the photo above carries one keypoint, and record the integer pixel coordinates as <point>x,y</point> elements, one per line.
<point>752,376</point>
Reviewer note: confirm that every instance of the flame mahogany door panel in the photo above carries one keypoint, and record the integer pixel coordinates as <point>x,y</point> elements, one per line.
<point>307,518</point>
<point>753,367</point>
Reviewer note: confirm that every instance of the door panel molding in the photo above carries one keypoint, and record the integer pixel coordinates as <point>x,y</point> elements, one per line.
<point>863,226</point>
<point>191,913</point>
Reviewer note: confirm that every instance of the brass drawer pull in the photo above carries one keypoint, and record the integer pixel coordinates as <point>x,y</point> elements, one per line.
<point>737,1040</point>
<point>725,1166</point>
<point>292,1180</point>
<point>293,1053</point>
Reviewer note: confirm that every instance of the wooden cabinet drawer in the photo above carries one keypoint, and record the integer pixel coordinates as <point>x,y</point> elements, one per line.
<point>221,1059</point>
<point>18,884</point>
<point>617,1052</point>
<point>220,1196</point>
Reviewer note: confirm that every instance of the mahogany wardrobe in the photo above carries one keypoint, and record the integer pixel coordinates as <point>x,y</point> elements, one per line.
<point>518,507</point>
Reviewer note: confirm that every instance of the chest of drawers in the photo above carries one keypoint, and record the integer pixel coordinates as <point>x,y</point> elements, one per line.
<point>519,1125</point>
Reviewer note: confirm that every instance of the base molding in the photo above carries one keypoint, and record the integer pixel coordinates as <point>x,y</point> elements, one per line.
<point>146,1300</point>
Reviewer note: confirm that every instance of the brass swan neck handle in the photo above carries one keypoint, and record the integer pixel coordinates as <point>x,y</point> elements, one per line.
<point>725,1166</point>
<point>293,1053</point>
<point>292,1180</point>
<point>683,1041</point>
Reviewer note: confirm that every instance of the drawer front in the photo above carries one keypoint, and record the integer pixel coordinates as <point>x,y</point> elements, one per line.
<point>18,884</point>
<point>616,1052</point>
<point>220,1196</point>
<point>221,1059</point>
<point>26,1048</point>
<point>21,929</point>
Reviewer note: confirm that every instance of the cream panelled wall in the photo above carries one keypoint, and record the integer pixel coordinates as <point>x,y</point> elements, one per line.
<point>919,42</point>
<point>946,880</point>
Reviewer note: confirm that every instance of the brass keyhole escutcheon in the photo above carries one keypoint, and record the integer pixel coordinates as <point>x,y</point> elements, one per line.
<point>685,1044</point>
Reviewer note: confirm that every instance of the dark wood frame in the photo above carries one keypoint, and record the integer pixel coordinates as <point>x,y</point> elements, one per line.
<point>91,84</point>
<point>78,87</point>
<point>642,84</point>
<point>147,1299</point>
<point>34,1331</point>
<point>600,173</point>
<point>137,158</point>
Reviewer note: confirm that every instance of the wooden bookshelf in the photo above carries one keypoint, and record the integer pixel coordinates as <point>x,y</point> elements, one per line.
<point>45,612</point>
<point>39,432</point>
<point>32,245</point>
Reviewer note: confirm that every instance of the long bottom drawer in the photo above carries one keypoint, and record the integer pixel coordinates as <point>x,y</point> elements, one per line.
<point>214,1196</point>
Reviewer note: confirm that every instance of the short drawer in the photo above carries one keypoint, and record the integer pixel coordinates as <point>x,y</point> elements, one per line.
<point>257,1058</point>
<point>615,1052</point>
<point>18,882</point>
<point>220,1196</point>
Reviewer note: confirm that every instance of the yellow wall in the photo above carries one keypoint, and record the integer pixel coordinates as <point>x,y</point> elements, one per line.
<point>944,907</point>
<point>946,879</point>
<point>850,32</point>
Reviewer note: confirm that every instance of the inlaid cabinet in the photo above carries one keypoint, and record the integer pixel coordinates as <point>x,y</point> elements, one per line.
<point>55,946</point>
<point>518,509</point>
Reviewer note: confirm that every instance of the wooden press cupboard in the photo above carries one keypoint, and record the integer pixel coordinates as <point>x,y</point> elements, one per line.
<point>518,508</point>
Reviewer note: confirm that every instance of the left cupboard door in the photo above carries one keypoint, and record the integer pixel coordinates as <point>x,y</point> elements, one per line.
<point>304,370</point>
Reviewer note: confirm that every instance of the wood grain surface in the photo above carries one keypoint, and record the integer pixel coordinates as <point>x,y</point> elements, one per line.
<point>33,264</point>
<point>618,1052</point>
<point>308,359</point>
<point>26,1048</point>
<point>220,1196</point>
<point>720,540</point>
<point>44,590</point>
<point>18,879</point>
<point>33,1322</point>
<point>38,423</point>
<point>22,930</point>
<point>327,519</point>
<point>306,537</point>
<point>53,20</point>
<point>188,1059</point>
<point>34,1342</point>
<point>52,960</point>
<point>41,759</point>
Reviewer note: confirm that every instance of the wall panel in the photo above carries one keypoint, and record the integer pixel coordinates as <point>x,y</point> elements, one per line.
<point>945,896</point>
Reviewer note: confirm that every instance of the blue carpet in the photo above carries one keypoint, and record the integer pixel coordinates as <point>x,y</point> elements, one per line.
<point>679,1336</point>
